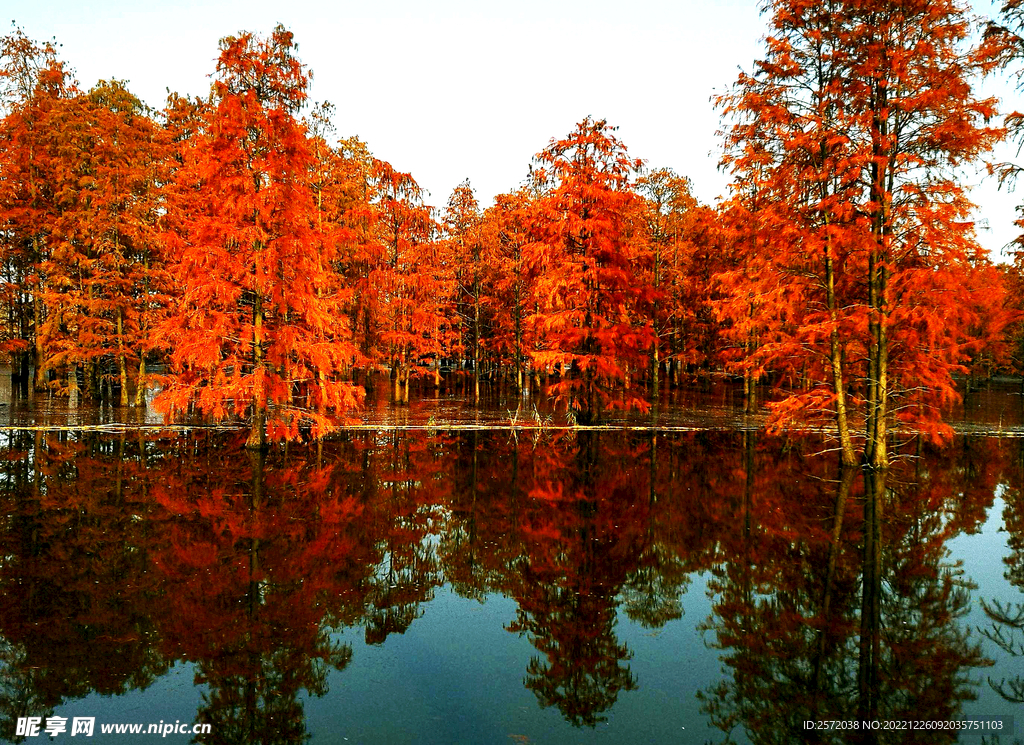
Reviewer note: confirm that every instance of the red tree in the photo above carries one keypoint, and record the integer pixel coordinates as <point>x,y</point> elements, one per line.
<point>258,333</point>
<point>411,286</point>
<point>464,249</point>
<point>588,237</point>
<point>505,233</point>
<point>683,252</point>
<point>845,146</point>
<point>33,83</point>
<point>103,266</point>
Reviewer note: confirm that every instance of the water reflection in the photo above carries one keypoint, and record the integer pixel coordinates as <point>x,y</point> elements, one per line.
<point>844,602</point>
<point>832,593</point>
<point>1005,616</point>
<point>78,611</point>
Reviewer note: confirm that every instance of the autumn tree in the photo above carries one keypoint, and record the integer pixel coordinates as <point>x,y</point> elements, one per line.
<point>684,250</point>
<point>257,334</point>
<point>465,251</point>
<point>411,285</point>
<point>33,82</point>
<point>342,186</point>
<point>1004,40</point>
<point>585,258</point>
<point>664,191</point>
<point>922,122</point>
<point>505,232</point>
<point>104,265</point>
<point>854,127</point>
<point>1013,282</point>
<point>1004,37</point>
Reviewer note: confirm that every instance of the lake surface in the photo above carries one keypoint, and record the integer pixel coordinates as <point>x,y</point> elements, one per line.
<point>445,584</point>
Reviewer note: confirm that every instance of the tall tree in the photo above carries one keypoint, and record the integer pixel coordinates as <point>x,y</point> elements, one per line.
<point>505,232</point>
<point>1004,37</point>
<point>257,333</point>
<point>856,125</point>
<point>411,284</point>
<point>681,256</point>
<point>465,248</point>
<point>104,262</point>
<point>33,82</point>
<point>588,237</point>
<point>921,122</point>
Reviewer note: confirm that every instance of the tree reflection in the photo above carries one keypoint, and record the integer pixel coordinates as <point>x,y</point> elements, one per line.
<point>857,619</point>
<point>576,528</point>
<point>262,558</point>
<point>652,594</point>
<point>833,595</point>
<point>78,603</point>
<point>580,540</point>
<point>410,477</point>
<point>1006,617</point>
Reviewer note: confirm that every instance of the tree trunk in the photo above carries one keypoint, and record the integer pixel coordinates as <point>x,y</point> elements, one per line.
<point>881,454</point>
<point>655,369</point>
<point>835,355</point>
<point>258,427</point>
<point>878,352</point>
<point>37,309</point>
<point>476,342</point>
<point>122,366</point>
<point>522,377</point>
<point>73,385</point>
<point>140,384</point>
<point>92,379</point>
<point>876,454</point>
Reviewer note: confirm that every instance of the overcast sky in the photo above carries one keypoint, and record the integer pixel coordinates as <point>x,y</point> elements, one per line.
<point>472,89</point>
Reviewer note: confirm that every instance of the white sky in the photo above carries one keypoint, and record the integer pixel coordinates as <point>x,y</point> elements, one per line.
<point>467,88</point>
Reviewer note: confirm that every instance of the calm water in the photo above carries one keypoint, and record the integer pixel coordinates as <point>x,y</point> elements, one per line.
<point>550,586</point>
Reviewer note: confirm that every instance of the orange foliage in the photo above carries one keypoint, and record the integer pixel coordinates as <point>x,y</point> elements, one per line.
<point>586,252</point>
<point>258,332</point>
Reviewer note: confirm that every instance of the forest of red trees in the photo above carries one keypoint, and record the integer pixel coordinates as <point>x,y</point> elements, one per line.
<point>234,253</point>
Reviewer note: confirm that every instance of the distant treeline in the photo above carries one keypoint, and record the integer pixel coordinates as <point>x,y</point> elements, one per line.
<point>274,270</point>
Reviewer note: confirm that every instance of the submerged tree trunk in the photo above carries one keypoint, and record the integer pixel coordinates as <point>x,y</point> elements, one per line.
<point>870,614</point>
<point>846,477</point>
